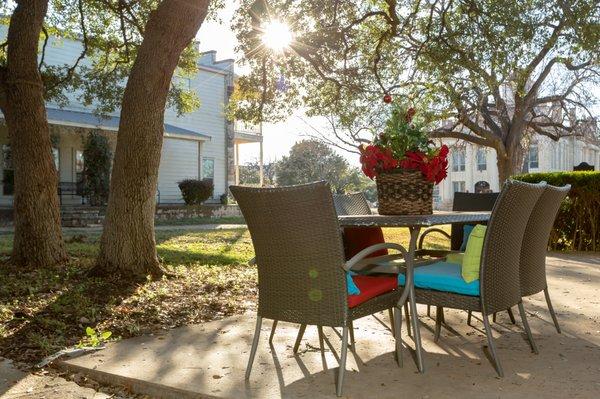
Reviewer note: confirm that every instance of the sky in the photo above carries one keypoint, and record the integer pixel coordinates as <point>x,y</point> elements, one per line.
<point>277,138</point>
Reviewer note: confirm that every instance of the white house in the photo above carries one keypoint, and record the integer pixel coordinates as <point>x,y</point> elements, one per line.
<point>473,168</point>
<point>200,144</point>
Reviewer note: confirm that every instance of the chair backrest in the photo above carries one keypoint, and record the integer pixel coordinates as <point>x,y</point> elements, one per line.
<point>351,204</point>
<point>500,259</point>
<point>299,253</point>
<point>468,202</point>
<point>537,233</point>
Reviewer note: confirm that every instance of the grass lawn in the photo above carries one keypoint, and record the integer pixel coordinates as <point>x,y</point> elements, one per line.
<point>47,310</point>
<point>202,220</point>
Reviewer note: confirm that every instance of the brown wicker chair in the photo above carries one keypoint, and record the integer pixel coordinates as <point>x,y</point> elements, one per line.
<point>301,265</point>
<point>499,283</point>
<point>533,255</point>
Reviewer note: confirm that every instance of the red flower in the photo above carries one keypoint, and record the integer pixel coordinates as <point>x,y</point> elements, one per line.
<point>375,159</point>
<point>387,99</point>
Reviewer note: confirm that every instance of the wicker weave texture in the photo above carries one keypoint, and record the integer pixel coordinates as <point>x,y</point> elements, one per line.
<point>351,204</point>
<point>468,202</point>
<point>299,253</point>
<point>404,192</point>
<point>533,254</point>
<point>499,282</point>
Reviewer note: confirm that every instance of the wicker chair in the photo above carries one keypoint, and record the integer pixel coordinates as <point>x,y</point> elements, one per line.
<point>533,255</point>
<point>301,265</point>
<point>499,284</point>
<point>463,202</point>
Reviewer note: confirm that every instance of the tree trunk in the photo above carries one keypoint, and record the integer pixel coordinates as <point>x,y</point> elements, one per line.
<point>128,244</point>
<point>509,164</point>
<point>38,238</point>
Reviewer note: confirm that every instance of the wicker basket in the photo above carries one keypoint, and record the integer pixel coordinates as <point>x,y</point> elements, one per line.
<point>404,192</point>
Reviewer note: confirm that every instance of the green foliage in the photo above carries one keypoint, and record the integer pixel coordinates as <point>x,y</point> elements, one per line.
<point>402,133</point>
<point>112,33</point>
<point>577,226</point>
<point>250,173</point>
<point>312,160</point>
<point>93,339</point>
<point>195,192</point>
<point>96,168</point>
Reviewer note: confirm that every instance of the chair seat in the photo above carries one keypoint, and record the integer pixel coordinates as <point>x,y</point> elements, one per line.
<point>442,276</point>
<point>370,287</point>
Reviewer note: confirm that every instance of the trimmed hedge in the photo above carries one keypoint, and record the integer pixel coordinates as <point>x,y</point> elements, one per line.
<point>195,192</point>
<point>578,220</point>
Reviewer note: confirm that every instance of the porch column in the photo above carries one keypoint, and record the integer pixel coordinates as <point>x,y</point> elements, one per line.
<point>261,171</point>
<point>237,163</point>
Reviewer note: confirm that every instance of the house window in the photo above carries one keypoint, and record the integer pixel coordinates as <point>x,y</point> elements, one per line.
<point>436,194</point>
<point>532,158</point>
<point>208,168</point>
<point>8,174</point>
<point>481,159</point>
<point>458,186</point>
<point>458,160</point>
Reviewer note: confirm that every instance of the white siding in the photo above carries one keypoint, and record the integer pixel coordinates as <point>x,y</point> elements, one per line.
<point>178,161</point>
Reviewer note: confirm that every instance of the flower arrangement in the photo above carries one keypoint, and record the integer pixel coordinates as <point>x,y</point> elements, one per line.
<point>404,145</point>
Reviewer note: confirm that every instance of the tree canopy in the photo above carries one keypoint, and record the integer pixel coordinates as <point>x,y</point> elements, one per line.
<point>489,72</point>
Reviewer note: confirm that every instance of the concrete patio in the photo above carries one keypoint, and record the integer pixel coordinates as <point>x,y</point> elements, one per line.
<point>208,361</point>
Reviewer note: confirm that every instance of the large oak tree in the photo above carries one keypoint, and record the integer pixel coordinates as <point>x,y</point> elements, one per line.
<point>489,72</point>
<point>38,238</point>
<point>128,244</point>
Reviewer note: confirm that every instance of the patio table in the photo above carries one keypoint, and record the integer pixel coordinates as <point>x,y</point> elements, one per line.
<point>414,223</point>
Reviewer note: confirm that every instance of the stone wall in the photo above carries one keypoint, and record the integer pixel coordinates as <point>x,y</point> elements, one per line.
<point>83,216</point>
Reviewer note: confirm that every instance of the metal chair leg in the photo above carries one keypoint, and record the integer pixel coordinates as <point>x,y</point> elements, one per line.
<point>511,315</point>
<point>392,323</point>
<point>494,317</point>
<point>299,337</point>
<point>551,309</point>
<point>408,329</point>
<point>352,334</point>
<point>254,346</point>
<point>439,311</point>
<point>527,329</point>
<point>415,330</point>
<point>491,345</point>
<point>398,335</point>
<point>321,338</point>
<point>469,314</point>
<point>429,310</point>
<point>273,328</point>
<point>344,354</point>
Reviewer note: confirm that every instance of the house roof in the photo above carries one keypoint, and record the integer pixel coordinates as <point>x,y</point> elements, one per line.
<point>86,119</point>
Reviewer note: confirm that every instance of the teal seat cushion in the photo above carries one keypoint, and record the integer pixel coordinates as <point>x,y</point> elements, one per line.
<point>467,229</point>
<point>352,287</point>
<point>442,276</point>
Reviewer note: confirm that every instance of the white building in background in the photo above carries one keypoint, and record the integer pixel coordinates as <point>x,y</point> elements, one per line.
<point>473,168</point>
<point>202,144</point>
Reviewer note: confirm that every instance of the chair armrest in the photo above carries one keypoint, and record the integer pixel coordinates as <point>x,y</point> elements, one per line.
<point>374,248</point>
<point>431,230</point>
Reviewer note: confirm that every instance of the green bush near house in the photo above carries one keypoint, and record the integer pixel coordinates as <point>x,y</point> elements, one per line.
<point>96,168</point>
<point>195,192</point>
<point>578,221</point>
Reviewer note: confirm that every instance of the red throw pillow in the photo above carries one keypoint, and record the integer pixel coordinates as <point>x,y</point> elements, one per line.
<point>358,238</point>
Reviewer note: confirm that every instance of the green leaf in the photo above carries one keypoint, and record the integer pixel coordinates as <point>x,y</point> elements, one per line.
<point>105,335</point>
<point>90,331</point>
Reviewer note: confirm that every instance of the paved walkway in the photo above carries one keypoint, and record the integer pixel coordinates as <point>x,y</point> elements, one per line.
<point>97,229</point>
<point>18,384</point>
<point>208,360</point>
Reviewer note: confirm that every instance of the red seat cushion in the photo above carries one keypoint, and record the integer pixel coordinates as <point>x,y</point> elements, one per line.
<point>358,238</point>
<point>370,287</point>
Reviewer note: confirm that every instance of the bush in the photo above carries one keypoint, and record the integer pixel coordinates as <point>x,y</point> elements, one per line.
<point>576,226</point>
<point>96,168</point>
<point>195,192</point>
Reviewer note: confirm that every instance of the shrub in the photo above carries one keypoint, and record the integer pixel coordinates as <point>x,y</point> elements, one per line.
<point>96,168</point>
<point>195,192</point>
<point>576,226</point>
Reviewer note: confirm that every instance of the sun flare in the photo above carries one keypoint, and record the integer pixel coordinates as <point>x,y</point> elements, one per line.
<point>277,35</point>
